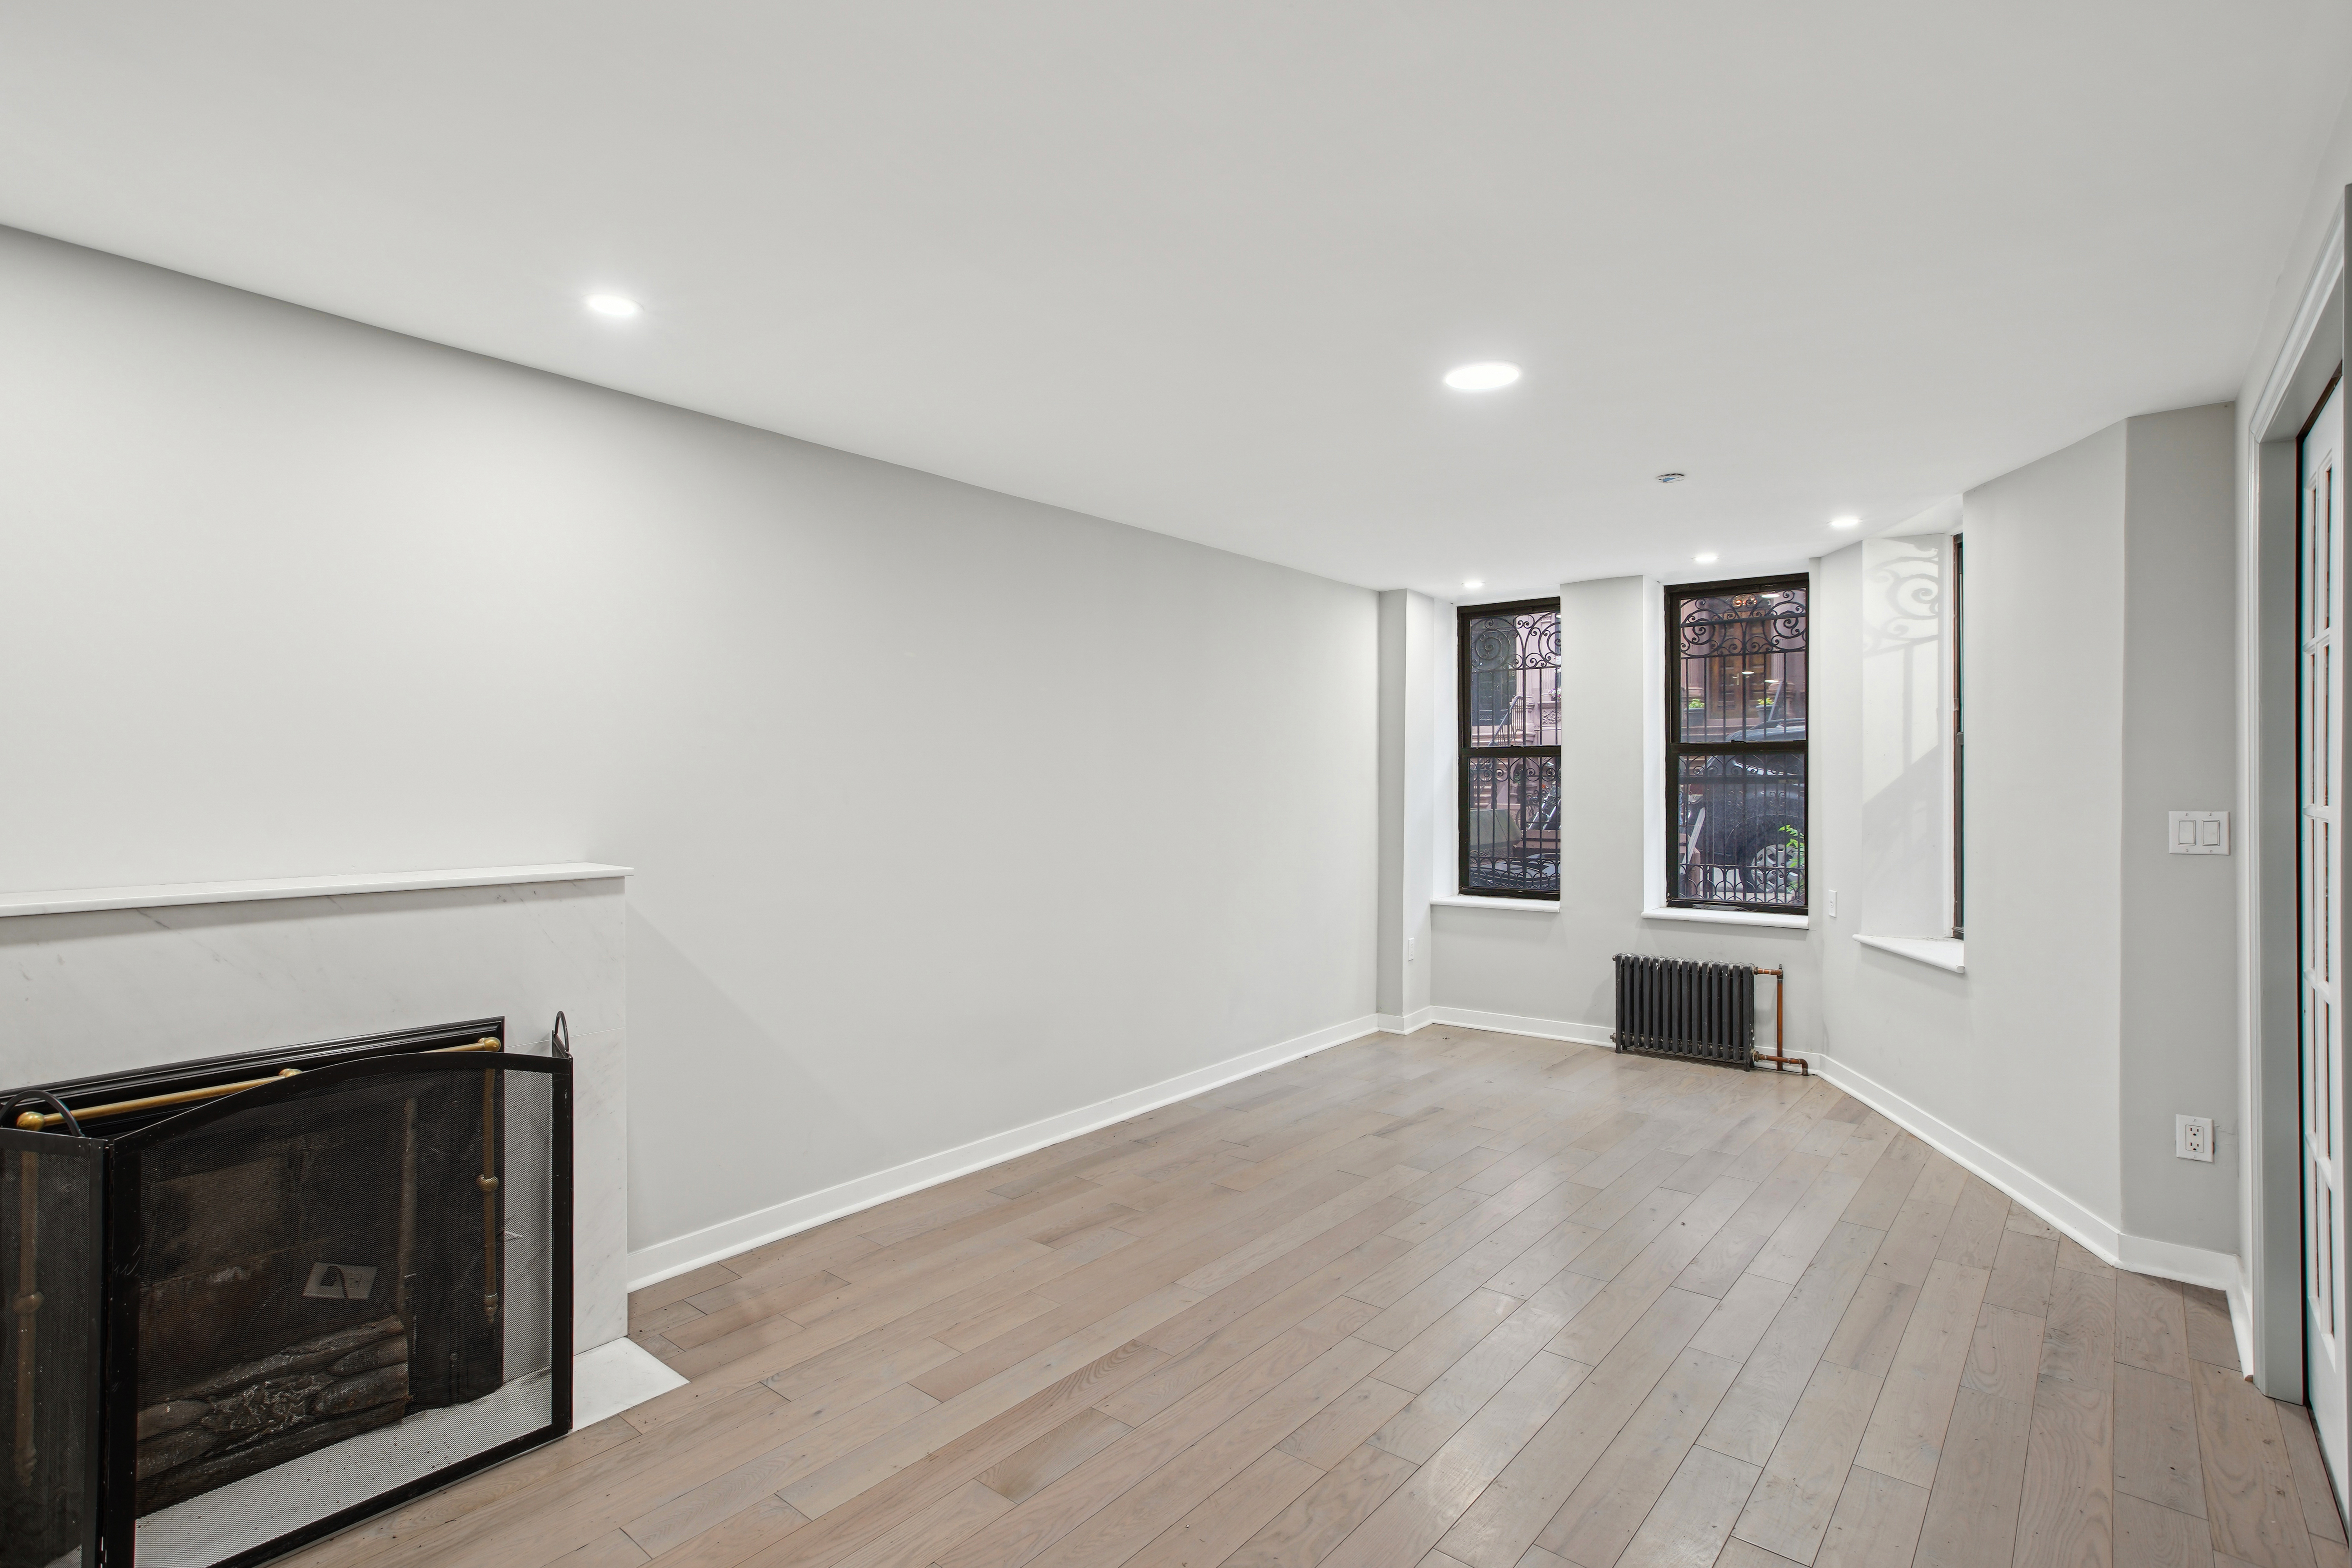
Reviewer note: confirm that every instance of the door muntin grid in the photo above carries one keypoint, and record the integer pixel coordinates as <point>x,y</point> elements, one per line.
<point>2320,714</point>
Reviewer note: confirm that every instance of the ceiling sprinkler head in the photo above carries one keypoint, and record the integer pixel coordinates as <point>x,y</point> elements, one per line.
<point>1672,478</point>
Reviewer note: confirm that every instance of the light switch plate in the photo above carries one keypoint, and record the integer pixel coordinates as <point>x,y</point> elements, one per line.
<point>2198,831</point>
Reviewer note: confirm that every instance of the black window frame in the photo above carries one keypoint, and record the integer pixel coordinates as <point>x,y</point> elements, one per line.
<point>1959,743</point>
<point>1675,749</point>
<point>1464,750</point>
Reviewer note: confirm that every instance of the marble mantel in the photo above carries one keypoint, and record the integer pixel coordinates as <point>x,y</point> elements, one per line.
<point>102,979</point>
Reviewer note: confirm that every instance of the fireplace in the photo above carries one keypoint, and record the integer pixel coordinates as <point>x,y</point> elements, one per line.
<point>256,1298</point>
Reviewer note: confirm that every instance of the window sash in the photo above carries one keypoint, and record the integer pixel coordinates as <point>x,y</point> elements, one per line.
<point>1471,754</point>
<point>1677,749</point>
<point>1959,744</point>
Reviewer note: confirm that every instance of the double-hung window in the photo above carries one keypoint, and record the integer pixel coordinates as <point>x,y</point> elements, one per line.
<point>1736,745</point>
<point>1508,829</point>
<point>1959,751</point>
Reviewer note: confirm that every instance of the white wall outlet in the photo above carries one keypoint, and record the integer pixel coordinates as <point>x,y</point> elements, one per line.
<point>2198,831</point>
<point>1407,948</point>
<point>1833,894</point>
<point>2192,1138</point>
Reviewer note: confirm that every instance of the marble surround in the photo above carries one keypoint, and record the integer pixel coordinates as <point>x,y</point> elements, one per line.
<point>98,980</point>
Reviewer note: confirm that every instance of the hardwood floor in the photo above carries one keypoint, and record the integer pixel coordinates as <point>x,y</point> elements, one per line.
<point>1451,1300</point>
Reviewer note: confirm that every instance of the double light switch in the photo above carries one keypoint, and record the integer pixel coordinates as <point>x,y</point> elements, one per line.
<point>2200,832</point>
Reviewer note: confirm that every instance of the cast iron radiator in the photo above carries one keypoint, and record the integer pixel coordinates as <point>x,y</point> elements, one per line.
<point>1700,1012</point>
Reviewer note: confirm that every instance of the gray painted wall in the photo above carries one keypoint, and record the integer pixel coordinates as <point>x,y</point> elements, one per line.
<point>2100,998</point>
<point>1408,675</point>
<point>951,811</point>
<point>2179,981</point>
<point>2020,1053</point>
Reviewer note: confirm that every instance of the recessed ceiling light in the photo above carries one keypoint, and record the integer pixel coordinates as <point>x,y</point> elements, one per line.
<point>1475,582</point>
<point>1672,478</point>
<point>613,305</point>
<point>1706,560</point>
<point>1845,522</point>
<point>1485,376</point>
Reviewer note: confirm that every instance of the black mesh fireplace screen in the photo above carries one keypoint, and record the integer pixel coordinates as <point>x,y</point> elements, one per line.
<point>244,1319</point>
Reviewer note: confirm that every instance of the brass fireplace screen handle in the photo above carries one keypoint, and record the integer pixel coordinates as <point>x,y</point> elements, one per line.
<point>35,1121</point>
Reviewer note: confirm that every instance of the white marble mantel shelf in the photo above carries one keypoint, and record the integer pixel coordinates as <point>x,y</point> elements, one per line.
<point>74,900</point>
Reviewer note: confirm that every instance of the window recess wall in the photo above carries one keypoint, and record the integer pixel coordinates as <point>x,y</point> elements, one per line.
<point>1906,884</point>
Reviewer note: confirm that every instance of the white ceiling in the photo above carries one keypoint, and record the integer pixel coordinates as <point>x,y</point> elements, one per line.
<point>1198,267</point>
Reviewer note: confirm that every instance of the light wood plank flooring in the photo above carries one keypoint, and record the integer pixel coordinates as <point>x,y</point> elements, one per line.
<point>1453,1301</point>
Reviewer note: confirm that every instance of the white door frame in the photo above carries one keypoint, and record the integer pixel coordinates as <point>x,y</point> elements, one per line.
<point>2271,1170</point>
<point>2327,1374</point>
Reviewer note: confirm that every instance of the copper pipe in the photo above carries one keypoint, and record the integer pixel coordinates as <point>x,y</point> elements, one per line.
<point>488,1183</point>
<point>27,1303</point>
<point>35,1121</point>
<point>1780,1060</point>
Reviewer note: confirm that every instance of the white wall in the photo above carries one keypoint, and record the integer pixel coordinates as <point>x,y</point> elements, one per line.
<point>1408,676</point>
<point>950,811</point>
<point>1555,968</point>
<point>2178,1025</point>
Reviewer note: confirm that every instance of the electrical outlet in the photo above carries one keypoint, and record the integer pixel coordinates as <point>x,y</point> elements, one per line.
<point>1832,892</point>
<point>2192,1138</point>
<point>1407,948</point>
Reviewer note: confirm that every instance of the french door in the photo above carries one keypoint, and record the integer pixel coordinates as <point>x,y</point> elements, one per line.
<point>2320,769</point>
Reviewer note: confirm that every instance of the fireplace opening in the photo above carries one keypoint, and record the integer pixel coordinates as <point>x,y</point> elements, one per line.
<point>342,1282</point>
<point>288,1297</point>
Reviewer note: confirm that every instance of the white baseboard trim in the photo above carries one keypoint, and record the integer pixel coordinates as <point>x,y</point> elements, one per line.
<point>2171,1260</point>
<point>1501,1023</point>
<point>1513,1024</point>
<point>2141,1253</point>
<point>2241,1318</point>
<point>663,1260</point>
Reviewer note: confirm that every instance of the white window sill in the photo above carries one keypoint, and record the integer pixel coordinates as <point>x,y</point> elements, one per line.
<point>1472,901</point>
<point>1941,952</point>
<point>1730,917</point>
